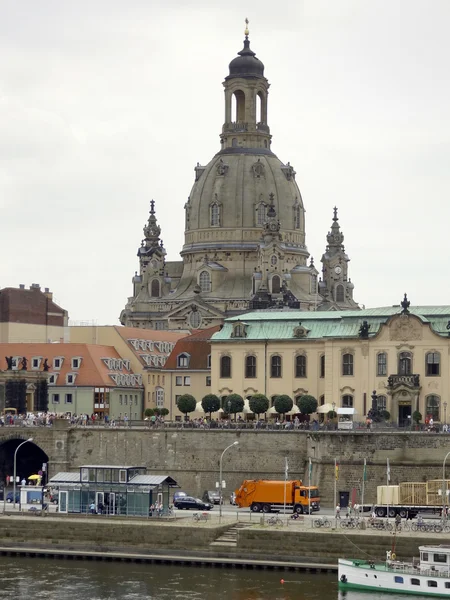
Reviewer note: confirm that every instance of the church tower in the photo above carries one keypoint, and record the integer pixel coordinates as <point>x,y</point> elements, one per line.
<point>336,287</point>
<point>244,241</point>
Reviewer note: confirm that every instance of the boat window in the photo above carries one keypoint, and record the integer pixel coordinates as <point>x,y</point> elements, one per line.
<point>440,558</point>
<point>398,579</point>
<point>447,584</point>
<point>432,583</point>
<point>415,581</point>
<point>425,556</point>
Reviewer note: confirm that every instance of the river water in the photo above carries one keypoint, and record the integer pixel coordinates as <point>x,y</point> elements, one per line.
<point>23,578</point>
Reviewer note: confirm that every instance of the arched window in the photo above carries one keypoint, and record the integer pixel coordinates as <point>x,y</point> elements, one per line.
<point>347,364</point>
<point>432,364</point>
<point>300,366</point>
<point>276,284</point>
<point>238,106</point>
<point>239,330</point>
<point>234,142</point>
<point>296,216</point>
<point>261,211</point>
<point>250,367</point>
<point>340,293</point>
<point>215,214</point>
<point>322,365</point>
<point>347,400</point>
<point>433,405</point>
<point>204,281</point>
<point>225,367</point>
<point>275,366</point>
<point>405,363</point>
<point>154,289</point>
<point>183,360</point>
<point>258,107</point>
<point>381,364</point>
<point>381,402</point>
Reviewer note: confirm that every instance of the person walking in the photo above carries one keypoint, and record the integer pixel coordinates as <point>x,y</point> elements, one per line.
<point>338,511</point>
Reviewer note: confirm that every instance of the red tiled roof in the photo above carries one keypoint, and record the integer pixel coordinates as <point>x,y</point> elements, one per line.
<point>93,371</point>
<point>197,345</point>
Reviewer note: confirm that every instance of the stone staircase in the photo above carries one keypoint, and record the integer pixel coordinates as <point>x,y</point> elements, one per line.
<point>228,539</point>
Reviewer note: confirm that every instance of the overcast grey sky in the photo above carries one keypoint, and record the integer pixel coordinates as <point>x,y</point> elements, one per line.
<point>106,104</point>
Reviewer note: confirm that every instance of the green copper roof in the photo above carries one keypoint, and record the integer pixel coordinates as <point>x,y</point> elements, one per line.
<point>280,324</point>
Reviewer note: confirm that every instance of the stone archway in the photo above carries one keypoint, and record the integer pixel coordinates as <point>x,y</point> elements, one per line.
<point>29,458</point>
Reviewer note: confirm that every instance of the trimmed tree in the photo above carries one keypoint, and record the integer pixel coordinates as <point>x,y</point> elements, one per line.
<point>259,404</point>
<point>210,403</point>
<point>164,412</point>
<point>307,404</point>
<point>149,412</point>
<point>236,404</point>
<point>186,404</point>
<point>283,404</point>
<point>331,414</point>
<point>417,417</point>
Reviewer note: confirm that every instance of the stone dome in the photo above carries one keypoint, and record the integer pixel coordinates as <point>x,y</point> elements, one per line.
<point>246,64</point>
<point>242,184</point>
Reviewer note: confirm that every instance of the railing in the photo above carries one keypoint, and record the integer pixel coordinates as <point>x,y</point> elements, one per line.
<point>262,127</point>
<point>409,380</point>
<point>236,126</point>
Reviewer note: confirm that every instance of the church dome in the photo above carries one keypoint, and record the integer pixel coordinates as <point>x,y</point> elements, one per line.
<point>246,64</point>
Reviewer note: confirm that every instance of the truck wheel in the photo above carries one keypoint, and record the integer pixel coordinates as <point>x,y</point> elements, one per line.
<point>299,509</point>
<point>380,512</point>
<point>403,513</point>
<point>266,508</point>
<point>392,512</point>
<point>255,507</point>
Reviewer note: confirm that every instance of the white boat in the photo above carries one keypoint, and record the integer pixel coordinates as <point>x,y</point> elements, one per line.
<point>427,576</point>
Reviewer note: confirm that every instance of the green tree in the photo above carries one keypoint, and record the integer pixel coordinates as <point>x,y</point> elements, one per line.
<point>156,412</point>
<point>307,404</point>
<point>259,404</point>
<point>386,415</point>
<point>164,412</point>
<point>331,414</point>
<point>186,404</point>
<point>149,412</point>
<point>416,417</point>
<point>210,403</point>
<point>236,404</point>
<point>283,404</point>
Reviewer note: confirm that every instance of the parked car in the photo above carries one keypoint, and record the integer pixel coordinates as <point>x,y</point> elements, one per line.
<point>178,495</point>
<point>10,497</point>
<point>233,498</point>
<point>213,497</point>
<point>188,502</point>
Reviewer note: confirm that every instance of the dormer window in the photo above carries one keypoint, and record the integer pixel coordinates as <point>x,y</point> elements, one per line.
<point>36,363</point>
<point>76,362</point>
<point>70,378</point>
<point>58,362</point>
<point>239,330</point>
<point>52,379</point>
<point>183,360</point>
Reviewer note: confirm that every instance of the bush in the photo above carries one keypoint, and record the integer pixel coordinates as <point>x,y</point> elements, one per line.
<point>210,403</point>
<point>164,412</point>
<point>386,415</point>
<point>416,417</point>
<point>307,404</point>
<point>331,414</point>
<point>186,404</point>
<point>283,404</point>
<point>149,412</point>
<point>259,404</point>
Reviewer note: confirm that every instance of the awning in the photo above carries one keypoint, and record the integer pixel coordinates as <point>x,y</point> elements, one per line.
<point>346,411</point>
<point>326,408</point>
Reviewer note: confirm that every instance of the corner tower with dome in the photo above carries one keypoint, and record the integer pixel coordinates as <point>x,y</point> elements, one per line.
<point>244,243</point>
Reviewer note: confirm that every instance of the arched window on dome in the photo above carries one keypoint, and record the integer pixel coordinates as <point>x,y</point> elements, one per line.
<point>204,281</point>
<point>340,293</point>
<point>238,107</point>
<point>258,111</point>
<point>215,214</point>
<point>261,211</point>
<point>154,289</point>
<point>297,216</point>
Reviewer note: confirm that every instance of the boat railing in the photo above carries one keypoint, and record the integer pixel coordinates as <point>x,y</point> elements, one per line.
<point>414,568</point>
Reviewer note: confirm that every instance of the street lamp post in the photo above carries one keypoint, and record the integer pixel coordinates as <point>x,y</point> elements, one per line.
<point>220,475</point>
<point>444,487</point>
<point>445,413</point>
<point>15,463</point>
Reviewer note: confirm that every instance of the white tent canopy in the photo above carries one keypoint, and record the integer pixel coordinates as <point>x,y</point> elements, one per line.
<point>325,408</point>
<point>346,411</point>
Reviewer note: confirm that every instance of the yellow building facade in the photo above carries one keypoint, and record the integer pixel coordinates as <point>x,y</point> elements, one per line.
<point>340,358</point>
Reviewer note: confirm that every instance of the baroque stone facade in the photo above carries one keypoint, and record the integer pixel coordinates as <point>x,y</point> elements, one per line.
<point>245,243</point>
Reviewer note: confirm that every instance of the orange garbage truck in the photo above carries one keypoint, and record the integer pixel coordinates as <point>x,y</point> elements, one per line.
<point>267,495</point>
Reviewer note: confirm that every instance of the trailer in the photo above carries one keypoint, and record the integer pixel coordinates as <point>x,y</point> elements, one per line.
<point>408,499</point>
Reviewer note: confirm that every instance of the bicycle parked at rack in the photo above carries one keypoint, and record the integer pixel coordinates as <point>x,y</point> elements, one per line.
<point>274,521</point>
<point>379,524</point>
<point>200,516</point>
<point>322,522</point>
<point>351,523</point>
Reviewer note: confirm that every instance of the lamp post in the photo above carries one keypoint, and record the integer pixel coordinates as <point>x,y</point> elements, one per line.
<point>220,476</point>
<point>444,487</point>
<point>15,463</point>
<point>445,413</point>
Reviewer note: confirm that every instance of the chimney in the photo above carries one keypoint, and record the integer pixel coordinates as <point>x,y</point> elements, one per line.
<point>35,286</point>
<point>48,293</point>
<point>22,286</point>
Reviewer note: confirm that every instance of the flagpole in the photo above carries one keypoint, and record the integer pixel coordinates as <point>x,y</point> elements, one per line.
<point>285,482</point>
<point>335,479</point>
<point>363,484</point>
<point>309,488</point>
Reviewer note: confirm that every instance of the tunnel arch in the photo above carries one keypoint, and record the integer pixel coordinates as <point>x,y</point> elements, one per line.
<point>29,460</point>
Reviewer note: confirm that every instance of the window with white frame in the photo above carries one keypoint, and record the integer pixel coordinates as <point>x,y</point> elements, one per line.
<point>183,361</point>
<point>187,380</point>
<point>347,401</point>
<point>52,379</point>
<point>208,381</point>
<point>433,364</point>
<point>70,378</point>
<point>347,364</point>
<point>159,398</point>
<point>58,362</point>
<point>178,380</point>
<point>76,362</point>
<point>381,364</point>
<point>36,362</point>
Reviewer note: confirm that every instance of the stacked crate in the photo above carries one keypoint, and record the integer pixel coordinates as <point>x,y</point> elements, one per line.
<point>413,493</point>
<point>434,492</point>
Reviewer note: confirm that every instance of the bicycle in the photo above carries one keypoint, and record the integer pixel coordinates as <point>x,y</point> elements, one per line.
<point>200,517</point>
<point>322,522</point>
<point>274,521</point>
